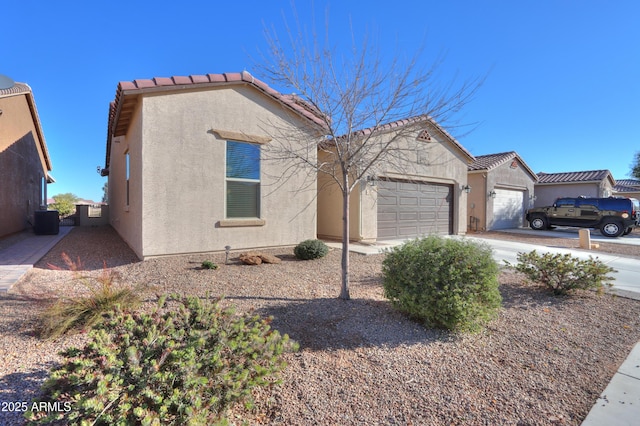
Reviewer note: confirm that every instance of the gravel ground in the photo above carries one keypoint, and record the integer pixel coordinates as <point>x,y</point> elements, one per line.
<point>544,360</point>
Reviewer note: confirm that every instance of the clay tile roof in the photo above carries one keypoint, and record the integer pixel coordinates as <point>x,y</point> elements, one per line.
<point>119,119</point>
<point>16,89</point>
<point>163,81</point>
<point>416,120</point>
<point>491,161</point>
<point>575,177</point>
<point>181,80</point>
<point>127,92</point>
<point>627,185</point>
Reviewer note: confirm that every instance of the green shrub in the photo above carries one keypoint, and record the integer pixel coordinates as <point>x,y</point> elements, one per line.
<point>173,366</point>
<point>207,264</point>
<point>69,314</point>
<point>443,282</point>
<point>562,273</point>
<point>311,249</point>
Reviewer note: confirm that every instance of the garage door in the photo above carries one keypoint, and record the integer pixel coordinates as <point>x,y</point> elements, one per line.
<point>508,209</point>
<point>410,209</point>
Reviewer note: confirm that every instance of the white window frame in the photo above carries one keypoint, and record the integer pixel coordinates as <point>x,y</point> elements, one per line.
<point>233,179</point>
<point>127,175</point>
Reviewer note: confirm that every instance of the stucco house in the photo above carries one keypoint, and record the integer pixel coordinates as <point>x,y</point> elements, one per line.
<point>502,189</point>
<point>629,188</point>
<point>24,159</point>
<point>592,183</point>
<point>186,166</point>
<point>421,194</point>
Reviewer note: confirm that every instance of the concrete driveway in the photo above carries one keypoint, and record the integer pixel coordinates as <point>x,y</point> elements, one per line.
<point>627,277</point>
<point>568,232</point>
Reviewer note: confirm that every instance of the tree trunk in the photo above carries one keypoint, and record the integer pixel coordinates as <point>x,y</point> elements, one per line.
<point>344,291</point>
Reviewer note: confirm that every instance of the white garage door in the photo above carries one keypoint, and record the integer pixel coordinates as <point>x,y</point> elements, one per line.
<point>411,209</point>
<point>508,209</point>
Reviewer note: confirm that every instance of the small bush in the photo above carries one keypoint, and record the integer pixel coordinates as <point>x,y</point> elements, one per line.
<point>207,264</point>
<point>183,366</point>
<point>562,273</point>
<point>443,282</point>
<point>311,249</point>
<point>69,314</point>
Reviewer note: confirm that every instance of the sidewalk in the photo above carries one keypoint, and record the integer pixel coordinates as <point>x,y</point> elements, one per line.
<point>18,258</point>
<point>619,403</point>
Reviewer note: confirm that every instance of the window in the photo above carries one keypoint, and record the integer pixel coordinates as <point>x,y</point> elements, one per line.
<point>565,202</point>
<point>127,170</point>
<point>243,180</point>
<point>94,211</point>
<point>43,192</point>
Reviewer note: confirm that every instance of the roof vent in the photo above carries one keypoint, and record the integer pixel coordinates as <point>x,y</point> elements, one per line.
<point>424,136</point>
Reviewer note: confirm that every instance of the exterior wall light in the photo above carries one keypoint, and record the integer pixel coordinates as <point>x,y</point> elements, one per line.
<point>371,180</point>
<point>466,189</point>
<point>492,194</point>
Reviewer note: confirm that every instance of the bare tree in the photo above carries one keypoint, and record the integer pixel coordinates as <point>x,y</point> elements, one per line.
<point>367,105</point>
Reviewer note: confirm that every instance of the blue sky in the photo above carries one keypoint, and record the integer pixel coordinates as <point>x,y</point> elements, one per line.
<point>563,86</point>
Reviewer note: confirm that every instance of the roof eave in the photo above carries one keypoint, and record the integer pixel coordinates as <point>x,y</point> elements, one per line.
<point>36,120</point>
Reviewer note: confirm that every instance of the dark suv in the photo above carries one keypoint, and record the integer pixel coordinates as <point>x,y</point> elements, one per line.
<point>613,216</point>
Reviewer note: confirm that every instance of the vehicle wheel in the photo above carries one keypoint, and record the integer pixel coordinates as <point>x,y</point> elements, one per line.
<point>538,223</point>
<point>628,230</point>
<point>611,229</point>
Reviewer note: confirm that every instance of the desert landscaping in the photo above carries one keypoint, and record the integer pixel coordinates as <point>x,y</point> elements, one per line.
<point>544,360</point>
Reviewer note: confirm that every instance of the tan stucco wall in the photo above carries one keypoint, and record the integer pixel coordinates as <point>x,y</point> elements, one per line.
<point>82,212</point>
<point>502,177</point>
<point>477,201</point>
<point>546,194</point>
<point>22,165</point>
<point>635,194</point>
<point>330,206</point>
<point>127,219</point>
<point>437,161</point>
<point>178,166</point>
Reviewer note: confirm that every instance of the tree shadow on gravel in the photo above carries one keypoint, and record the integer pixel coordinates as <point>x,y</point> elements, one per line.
<point>321,324</point>
<point>14,386</point>
<point>21,318</point>
<point>18,388</point>
<point>524,296</point>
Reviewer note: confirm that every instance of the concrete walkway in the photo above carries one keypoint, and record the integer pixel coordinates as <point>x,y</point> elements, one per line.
<point>18,258</point>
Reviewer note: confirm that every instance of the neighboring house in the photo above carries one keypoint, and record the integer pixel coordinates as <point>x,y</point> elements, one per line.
<point>422,196</point>
<point>629,188</point>
<point>593,183</point>
<point>187,170</point>
<point>502,189</point>
<point>24,160</point>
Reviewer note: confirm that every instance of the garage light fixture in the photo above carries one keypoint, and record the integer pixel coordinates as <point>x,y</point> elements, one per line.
<point>492,194</point>
<point>466,189</point>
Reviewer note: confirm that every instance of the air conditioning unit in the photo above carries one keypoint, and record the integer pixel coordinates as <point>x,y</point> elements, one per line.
<point>46,222</point>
